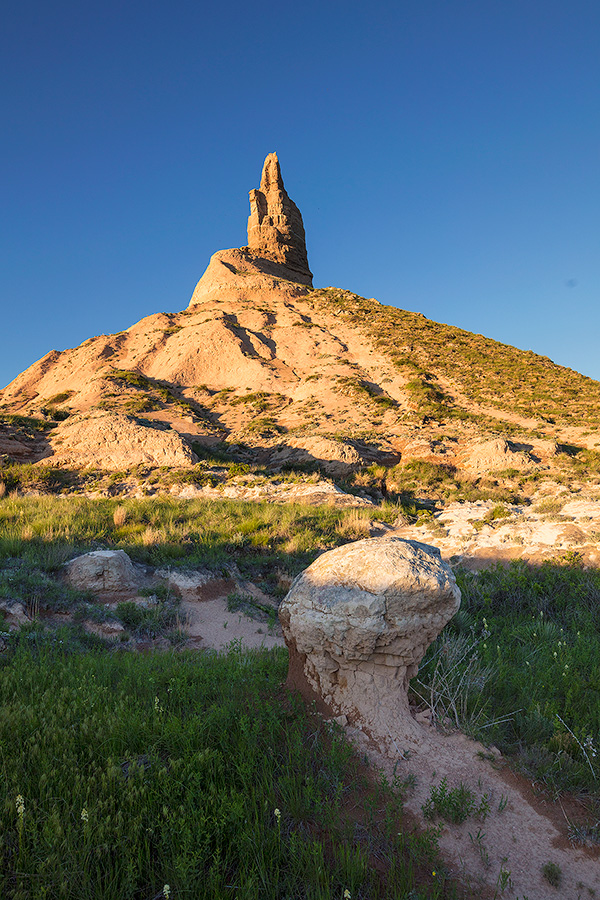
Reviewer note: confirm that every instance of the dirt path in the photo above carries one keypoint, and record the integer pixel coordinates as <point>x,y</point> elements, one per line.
<point>501,854</point>
<point>211,624</point>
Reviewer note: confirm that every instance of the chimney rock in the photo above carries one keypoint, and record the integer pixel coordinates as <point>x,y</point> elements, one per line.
<point>275,227</point>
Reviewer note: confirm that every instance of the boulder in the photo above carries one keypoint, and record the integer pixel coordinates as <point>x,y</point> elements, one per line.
<point>109,573</point>
<point>114,441</point>
<point>334,457</point>
<point>14,612</point>
<point>357,623</point>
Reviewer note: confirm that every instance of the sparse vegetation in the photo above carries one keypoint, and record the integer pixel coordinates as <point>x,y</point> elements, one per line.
<point>455,804</point>
<point>484,371</point>
<point>552,873</point>
<point>155,393</point>
<point>518,667</point>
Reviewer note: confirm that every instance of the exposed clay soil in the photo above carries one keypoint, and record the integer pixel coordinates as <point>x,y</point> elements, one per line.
<point>511,846</point>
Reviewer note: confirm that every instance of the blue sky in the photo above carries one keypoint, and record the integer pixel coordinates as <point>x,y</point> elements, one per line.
<point>444,156</point>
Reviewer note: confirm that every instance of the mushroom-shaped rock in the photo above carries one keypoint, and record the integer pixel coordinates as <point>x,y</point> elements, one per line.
<point>105,572</point>
<point>357,623</point>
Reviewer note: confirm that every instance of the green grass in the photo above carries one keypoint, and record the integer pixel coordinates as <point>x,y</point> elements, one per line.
<point>455,804</point>
<point>484,371</point>
<point>125,773</point>
<point>519,667</point>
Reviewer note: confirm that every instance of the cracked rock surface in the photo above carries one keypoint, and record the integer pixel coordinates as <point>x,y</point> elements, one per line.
<point>357,623</point>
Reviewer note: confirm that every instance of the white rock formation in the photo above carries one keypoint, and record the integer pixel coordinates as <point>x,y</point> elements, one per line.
<point>357,623</point>
<point>104,572</point>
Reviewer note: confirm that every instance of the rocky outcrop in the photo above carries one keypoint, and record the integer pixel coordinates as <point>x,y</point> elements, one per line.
<point>275,227</point>
<point>240,275</point>
<point>334,457</point>
<point>105,572</point>
<point>13,615</point>
<point>112,441</point>
<point>493,456</point>
<point>357,623</point>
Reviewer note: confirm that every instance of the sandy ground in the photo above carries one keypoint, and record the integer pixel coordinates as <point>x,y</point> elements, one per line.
<point>502,855</point>
<point>210,624</point>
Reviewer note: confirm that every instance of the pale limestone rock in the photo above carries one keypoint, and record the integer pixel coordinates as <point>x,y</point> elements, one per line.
<point>104,572</point>
<point>275,227</point>
<point>357,623</point>
<point>310,494</point>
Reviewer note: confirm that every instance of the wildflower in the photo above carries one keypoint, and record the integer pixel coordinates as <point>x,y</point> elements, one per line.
<point>20,804</point>
<point>554,654</point>
<point>347,894</point>
<point>277,814</point>
<point>434,873</point>
<point>84,815</point>
<point>157,707</point>
<point>167,891</point>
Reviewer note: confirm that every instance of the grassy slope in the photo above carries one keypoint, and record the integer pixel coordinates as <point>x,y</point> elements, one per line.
<point>485,371</point>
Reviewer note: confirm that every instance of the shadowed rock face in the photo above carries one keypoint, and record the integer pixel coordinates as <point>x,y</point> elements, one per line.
<point>275,227</point>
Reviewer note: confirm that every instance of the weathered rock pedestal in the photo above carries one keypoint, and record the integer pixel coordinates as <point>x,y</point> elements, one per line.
<point>357,623</point>
<point>275,227</point>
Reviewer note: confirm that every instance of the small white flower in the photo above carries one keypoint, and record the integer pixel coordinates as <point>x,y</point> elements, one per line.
<point>20,803</point>
<point>277,814</point>
<point>84,815</point>
<point>347,894</point>
<point>167,891</point>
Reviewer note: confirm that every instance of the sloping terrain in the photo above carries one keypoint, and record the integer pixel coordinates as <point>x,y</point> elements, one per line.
<point>276,373</point>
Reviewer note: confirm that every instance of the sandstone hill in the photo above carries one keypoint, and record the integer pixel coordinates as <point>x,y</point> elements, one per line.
<point>262,369</point>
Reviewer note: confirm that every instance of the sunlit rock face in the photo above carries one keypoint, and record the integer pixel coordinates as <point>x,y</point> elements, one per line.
<point>275,227</point>
<point>357,623</point>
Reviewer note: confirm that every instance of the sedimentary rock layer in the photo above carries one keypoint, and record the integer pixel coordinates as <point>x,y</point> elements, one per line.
<point>275,227</point>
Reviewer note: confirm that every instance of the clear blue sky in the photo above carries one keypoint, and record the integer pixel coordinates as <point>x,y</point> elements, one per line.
<point>444,155</point>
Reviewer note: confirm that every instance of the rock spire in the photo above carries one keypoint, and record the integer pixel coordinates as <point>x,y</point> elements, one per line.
<point>275,227</point>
